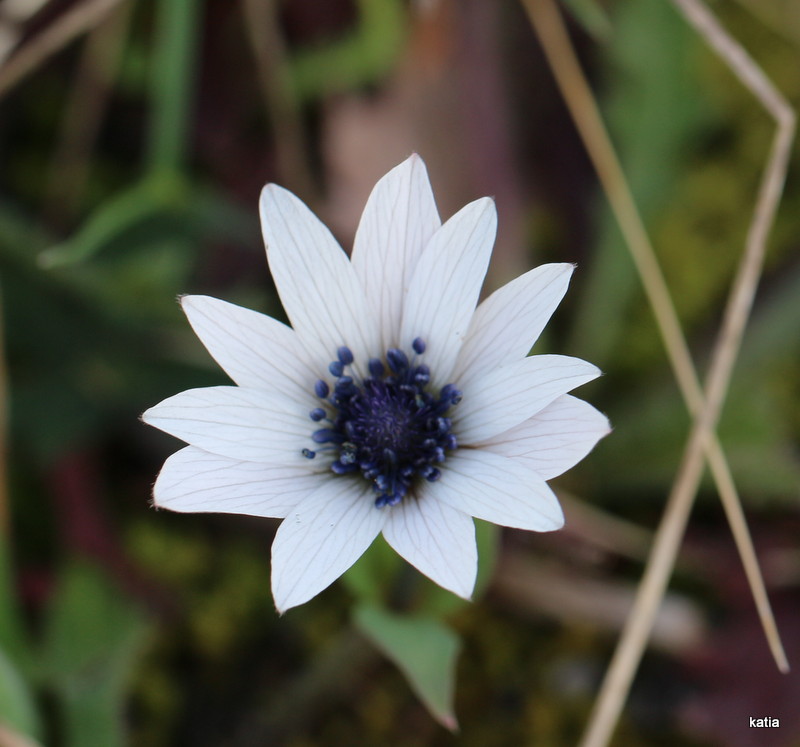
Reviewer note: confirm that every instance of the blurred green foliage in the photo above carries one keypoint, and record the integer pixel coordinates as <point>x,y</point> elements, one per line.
<point>424,649</point>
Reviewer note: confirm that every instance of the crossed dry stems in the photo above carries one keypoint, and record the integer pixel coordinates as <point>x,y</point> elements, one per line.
<point>705,406</point>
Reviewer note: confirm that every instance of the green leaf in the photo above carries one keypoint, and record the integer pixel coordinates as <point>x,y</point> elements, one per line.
<point>592,16</point>
<point>12,631</point>
<point>375,573</point>
<point>164,192</point>
<point>487,536</point>
<point>433,600</point>
<point>362,57</point>
<point>93,635</point>
<point>17,708</point>
<point>160,210</point>
<point>173,72</point>
<point>423,649</point>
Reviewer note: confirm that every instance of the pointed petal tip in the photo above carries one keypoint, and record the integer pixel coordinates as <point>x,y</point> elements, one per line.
<point>285,600</point>
<point>189,302</point>
<point>405,170</point>
<point>279,609</point>
<point>278,597</point>
<point>271,197</point>
<point>562,270</point>
<point>450,722</point>
<point>557,522</point>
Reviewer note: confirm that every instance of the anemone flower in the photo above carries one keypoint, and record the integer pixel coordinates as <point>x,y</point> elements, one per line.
<point>392,405</point>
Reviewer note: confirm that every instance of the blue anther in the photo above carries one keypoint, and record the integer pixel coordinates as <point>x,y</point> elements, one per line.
<point>422,375</point>
<point>376,369</point>
<point>345,388</point>
<point>433,475</point>
<point>450,394</point>
<point>345,355</point>
<point>342,469</point>
<point>317,414</point>
<point>308,454</point>
<point>397,360</point>
<point>321,389</point>
<point>324,435</point>
<point>451,442</point>
<point>381,501</point>
<point>418,345</point>
<point>336,368</point>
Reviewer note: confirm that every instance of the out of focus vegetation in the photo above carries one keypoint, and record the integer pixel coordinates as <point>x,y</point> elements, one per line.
<point>130,162</point>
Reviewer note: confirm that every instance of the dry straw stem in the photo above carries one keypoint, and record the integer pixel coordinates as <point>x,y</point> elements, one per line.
<point>85,109</point>
<point>62,31</point>
<point>13,16</point>
<point>11,738</point>
<point>4,502</point>
<point>577,93</point>
<point>558,49</point>
<point>269,50</point>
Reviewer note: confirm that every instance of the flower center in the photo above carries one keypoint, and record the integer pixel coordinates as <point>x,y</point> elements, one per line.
<point>388,426</point>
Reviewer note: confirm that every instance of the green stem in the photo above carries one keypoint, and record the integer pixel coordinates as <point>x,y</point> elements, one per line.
<point>173,58</point>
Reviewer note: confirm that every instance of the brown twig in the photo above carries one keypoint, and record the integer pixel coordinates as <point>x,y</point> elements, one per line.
<point>603,530</point>
<point>11,738</point>
<point>57,35</point>
<point>570,595</point>
<point>84,114</point>
<point>5,512</point>
<point>13,17</point>
<point>269,50</point>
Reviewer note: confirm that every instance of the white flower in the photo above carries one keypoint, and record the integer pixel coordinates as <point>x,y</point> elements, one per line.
<point>392,405</point>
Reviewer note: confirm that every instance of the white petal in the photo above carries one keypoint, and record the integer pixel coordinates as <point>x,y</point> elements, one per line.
<point>500,490</point>
<point>254,349</point>
<point>321,538</point>
<point>445,286</point>
<point>318,287</point>
<point>508,395</point>
<point>399,219</point>
<point>436,539</point>
<point>244,424</point>
<point>507,324</point>
<point>194,480</point>
<point>554,439</point>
